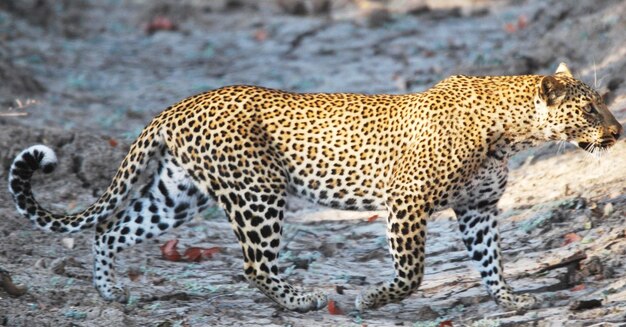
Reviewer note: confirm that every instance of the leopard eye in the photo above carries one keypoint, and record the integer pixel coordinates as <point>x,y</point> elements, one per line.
<point>590,109</point>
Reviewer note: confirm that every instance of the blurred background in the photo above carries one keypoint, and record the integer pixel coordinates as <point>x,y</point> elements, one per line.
<point>111,65</point>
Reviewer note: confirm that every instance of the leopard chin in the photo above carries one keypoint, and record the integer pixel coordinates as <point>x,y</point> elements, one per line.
<point>601,145</point>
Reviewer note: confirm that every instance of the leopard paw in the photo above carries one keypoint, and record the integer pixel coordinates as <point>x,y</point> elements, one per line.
<point>369,298</point>
<point>116,294</point>
<point>518,302</point>
<point>309,302</point>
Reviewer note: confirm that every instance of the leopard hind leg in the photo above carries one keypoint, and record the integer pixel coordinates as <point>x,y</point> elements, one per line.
<point>256,216</point>
<point>167,201</point>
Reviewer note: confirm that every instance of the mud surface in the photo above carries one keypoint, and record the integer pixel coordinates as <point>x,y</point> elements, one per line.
<point>85,76</point>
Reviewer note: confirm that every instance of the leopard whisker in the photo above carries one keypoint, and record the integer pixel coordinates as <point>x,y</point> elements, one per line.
<point>560,147</point>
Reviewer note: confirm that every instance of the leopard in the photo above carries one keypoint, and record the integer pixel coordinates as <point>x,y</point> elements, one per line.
<point>246,148</point>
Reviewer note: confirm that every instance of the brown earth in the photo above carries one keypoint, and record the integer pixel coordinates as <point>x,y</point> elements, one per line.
<point>84,76</point>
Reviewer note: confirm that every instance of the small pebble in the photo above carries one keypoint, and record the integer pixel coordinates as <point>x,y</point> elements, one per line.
<point>608,209</point>
<point>68,242</point>
<point>57,266</point>
<point>40,263</point>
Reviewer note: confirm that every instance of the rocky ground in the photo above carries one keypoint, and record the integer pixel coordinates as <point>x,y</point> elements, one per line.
<point>85,76</point>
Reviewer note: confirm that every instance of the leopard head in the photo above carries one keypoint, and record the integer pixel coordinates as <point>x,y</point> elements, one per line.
<point>569,110</point>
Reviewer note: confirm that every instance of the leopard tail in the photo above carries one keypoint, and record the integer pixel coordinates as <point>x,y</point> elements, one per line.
<point>42,157</point>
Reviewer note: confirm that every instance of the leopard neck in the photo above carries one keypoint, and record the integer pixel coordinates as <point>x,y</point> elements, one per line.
<point>513,116</point>
<point>502,106</point>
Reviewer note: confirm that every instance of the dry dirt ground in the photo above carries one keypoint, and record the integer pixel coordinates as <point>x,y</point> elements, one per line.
<point>84,76</point>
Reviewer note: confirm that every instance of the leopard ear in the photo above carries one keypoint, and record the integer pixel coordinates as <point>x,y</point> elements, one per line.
<point>552,91</point>
<point>562,69</point>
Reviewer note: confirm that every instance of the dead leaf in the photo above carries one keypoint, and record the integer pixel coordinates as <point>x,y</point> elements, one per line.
<point>446,323</point>
<point>191,254</point>
<point>510,28</point>
<point>160,23</point>
<point>571,238</point>
<point>196,254</point>
<point>578,287</point>
<point>169,252</point>
<point>372,218</point>
<point>261,34</point>
<point>112,142</point>
<point>522,22</point>
<point>333,309</point>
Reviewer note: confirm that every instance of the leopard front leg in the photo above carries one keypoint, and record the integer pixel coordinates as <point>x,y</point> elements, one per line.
<point>476,215</point>
<point>406,233</point>
<point>480,235</point>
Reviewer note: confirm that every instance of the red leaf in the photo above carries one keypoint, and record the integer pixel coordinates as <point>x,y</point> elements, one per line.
<point>160,23</point>
<point>372,218</point>
<point>333,308</point>
<point>578,287</point>
<point>261,34</point>
<point>571,238</point>
<point>169,252</point>
<point>429,53</point>
<point>510,28</point>
<point>522,22</point>
<point>197,254</point>
<point>446,323</point>
<point>192,254</point>
<point>112,142</point>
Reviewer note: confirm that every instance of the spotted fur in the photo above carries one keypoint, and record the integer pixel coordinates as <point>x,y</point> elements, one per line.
<point>247,147</point>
